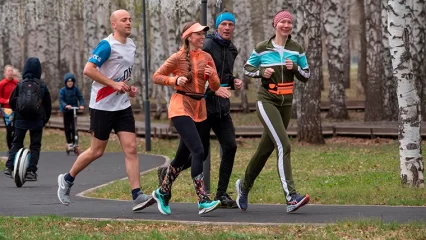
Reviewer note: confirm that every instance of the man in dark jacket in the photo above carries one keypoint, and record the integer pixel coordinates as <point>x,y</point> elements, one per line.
<point>220,47</point>
<point>222,50</point>
<point>35,124</point>
<point>70,96</point>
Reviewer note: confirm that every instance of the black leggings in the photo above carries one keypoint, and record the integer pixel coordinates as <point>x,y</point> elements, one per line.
<point>69,127</point>
<point>9,133</point>
<point>190,144</point>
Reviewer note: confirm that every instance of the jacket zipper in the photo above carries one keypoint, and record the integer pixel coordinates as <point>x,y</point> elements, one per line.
<point>282,70</point>
<point>221,75</point>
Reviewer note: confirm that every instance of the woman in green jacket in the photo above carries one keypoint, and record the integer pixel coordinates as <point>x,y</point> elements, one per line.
<point>276,61</point>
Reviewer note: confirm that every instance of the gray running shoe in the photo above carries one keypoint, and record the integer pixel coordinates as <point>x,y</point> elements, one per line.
<point>142,201</point>
<point>64,189</point>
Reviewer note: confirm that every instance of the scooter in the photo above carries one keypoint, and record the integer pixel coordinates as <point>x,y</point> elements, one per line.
<point>75,147</point>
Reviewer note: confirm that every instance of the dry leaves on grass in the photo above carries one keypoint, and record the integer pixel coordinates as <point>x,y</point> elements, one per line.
<point>359,141</point>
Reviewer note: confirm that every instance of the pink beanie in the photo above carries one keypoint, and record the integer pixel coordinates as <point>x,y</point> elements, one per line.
<point>280,16</point>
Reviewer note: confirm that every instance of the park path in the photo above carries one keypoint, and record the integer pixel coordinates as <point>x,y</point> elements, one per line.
<point>39,198</point>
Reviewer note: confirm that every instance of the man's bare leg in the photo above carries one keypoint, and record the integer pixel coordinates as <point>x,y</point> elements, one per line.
<point>128,144</point>
<point>95,151</point>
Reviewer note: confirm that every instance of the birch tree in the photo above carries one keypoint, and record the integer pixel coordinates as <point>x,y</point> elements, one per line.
<point>362,60</point>
<point>333,25</point>
<point>299,34</point>
<point>401,37</point>
<point>418,50</point>
<point>156,51</point>
<point>390,100</point>
<point>309,121</point>
<point>346,16</point>
<point>51,50</point>
<point>244,42</point>
<point>374,84</point>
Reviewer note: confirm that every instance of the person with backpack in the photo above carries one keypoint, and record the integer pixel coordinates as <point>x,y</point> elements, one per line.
<point>70,96</point>
<point>6,88</point>
<point>32,105</point>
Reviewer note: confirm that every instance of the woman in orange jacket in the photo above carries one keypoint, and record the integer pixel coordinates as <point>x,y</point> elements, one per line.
<point>188,70</point>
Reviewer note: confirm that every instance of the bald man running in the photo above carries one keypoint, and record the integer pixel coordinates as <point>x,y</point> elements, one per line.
<point>110,66</point>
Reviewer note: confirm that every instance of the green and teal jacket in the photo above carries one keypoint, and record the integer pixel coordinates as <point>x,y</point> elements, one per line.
<point>266,55</point>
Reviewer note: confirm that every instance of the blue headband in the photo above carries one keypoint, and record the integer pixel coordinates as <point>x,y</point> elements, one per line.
<point>226,16</point>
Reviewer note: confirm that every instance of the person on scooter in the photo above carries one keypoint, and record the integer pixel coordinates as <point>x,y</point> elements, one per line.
<point>70,96</point>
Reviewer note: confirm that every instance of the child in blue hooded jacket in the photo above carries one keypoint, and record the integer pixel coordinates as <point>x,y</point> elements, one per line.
<point>70,96</point>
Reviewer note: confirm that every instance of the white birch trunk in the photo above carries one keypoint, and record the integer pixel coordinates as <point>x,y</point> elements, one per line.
<point>400,28</point>
<point>390,100</point>
<point>244,42</point>
<point>169,46</point>
<point>299,33</point>
<point>138,72</point>
<point>157,55</point>
<point>50,50</point>
<point>333,24</point>
<point>90,38</point>
<point>14,32</point>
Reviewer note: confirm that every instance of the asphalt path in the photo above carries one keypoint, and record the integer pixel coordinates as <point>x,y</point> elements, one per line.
<point>39,198</point>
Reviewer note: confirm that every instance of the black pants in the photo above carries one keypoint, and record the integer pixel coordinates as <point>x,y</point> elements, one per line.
<point>224,130</point>
<point>9,133</point>
<point>69,127</point>
<point>189,144</point>
<point>18,143</point>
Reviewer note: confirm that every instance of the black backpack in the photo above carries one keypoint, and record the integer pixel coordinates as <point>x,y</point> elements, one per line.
<point>30,97</point>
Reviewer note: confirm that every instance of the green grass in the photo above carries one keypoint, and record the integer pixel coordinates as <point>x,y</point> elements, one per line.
<point>51,227</point>
<point>344,171</point>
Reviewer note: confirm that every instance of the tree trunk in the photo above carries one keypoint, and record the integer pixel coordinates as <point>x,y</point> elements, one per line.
<point>362,60</point>
<point>299,34</point>
<point>390,100</point>
<point>418,48</point>
<point>90,38</point>
<point>401,34</point>
<point>309,121</point>
<point>157,53</point>
<point>50,49</point>
<point>374,86</point>
<point>245,44</point>
<point>333,23</point>
<point>2,40</point>
<point>345,43</point>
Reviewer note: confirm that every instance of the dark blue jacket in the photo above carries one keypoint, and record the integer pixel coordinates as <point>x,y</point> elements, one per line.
<point>32,70</point>
<point>70,96</point>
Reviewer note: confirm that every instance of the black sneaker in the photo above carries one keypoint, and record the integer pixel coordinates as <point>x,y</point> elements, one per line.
<point>8,172</point>
<point>297,201</point>
<point>226,201</point>
<point>31,176</point>
<point>161,174</point>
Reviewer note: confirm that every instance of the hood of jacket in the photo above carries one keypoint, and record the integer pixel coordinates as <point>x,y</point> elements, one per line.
<point>68,76</point>
<point>32,68</point>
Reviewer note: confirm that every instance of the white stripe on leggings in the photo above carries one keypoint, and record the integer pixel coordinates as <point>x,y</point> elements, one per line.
<point>280,149</point>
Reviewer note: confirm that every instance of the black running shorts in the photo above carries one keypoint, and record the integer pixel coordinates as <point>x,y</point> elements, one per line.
<point>103,122</point>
